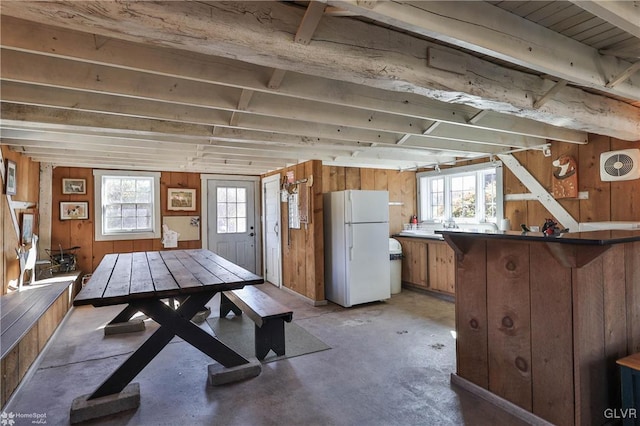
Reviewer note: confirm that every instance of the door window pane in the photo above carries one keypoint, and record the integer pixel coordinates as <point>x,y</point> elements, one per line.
<point>232,210</point>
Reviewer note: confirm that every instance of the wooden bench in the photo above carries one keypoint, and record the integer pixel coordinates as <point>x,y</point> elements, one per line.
<point>28,319</point>
<point>267,314</point>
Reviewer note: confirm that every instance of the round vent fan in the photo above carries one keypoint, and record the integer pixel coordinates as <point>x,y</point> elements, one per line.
<point>618,165</point>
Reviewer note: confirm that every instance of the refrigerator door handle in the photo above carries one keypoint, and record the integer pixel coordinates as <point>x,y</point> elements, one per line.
<point>350,242</point>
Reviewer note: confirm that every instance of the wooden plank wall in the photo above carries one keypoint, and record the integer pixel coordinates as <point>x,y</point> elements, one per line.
<point>608,201</point>
<point>303,249</point>
<point>69,233</point>
<point>28,174</point>
<point>401,187</point>
<point>303,254</point>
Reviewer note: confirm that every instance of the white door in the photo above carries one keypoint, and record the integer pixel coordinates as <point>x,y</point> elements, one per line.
<point>272,239</point>
<point>231,221</point>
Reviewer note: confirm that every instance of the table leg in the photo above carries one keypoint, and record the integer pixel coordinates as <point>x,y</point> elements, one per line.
<point>125,315</point>
<point>120,378</point>
<point>172,323</point>
<point>191,333</point>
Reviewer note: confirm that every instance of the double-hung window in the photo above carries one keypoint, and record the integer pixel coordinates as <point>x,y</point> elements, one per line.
<point>127,205</point>
<point>470,194</point>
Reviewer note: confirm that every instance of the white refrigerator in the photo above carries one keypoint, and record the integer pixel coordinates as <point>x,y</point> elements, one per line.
<point>356,239</point>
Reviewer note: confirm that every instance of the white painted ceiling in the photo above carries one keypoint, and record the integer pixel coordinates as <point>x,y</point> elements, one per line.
<point>249,87</point>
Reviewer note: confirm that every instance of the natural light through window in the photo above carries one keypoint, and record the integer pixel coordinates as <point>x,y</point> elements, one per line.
<point>471,194</point>
<point>127,205</point>
<point>232,210</point>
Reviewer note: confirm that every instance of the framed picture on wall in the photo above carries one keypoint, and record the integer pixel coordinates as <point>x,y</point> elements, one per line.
<point>27,227</point>
<point>181,199</point>
<point>11,178</point>
<point>74,186</point>
<point>74,210</point>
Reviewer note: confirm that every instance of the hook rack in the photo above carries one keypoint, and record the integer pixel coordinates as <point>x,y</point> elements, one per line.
<point>292,187</point>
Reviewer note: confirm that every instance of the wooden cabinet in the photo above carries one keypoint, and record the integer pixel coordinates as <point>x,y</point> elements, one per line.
<point>414,262</point>
<point>428,264</point>
<point>441,261</point>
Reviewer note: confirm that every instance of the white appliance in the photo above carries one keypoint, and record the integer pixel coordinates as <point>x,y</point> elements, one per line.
<point>356,239</point>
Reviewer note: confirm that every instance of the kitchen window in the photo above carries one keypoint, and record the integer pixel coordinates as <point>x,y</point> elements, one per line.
<point>470,194</point>
<point>127,205</point>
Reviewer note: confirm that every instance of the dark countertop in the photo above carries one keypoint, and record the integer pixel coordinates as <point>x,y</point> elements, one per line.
<point>599,238</point>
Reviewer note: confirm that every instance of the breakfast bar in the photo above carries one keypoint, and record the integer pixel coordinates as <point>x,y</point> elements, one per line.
<point>541,320</point>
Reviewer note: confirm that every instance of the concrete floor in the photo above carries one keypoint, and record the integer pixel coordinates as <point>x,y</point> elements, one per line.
<point>390,364</point>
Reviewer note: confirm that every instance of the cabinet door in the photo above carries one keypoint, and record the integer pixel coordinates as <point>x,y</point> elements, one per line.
<point>414,262</point>
<point>441,268</point>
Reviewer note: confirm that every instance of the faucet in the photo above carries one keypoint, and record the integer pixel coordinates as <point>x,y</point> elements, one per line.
<point>450,224</point>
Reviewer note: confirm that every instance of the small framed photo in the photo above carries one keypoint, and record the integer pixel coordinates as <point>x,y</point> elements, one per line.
<point>181,199</point>
<point>74,210</point>
<point>11,178</point>
<point>27,228</point>
<point>74,186</point>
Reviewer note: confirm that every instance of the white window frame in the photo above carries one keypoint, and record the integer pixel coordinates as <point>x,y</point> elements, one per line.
<point>156,224</point>
<point>423,180</point>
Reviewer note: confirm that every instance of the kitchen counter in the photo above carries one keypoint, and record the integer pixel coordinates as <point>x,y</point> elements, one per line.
<point>584,238</point>
<point>540,321</point>
<point>419,234</point>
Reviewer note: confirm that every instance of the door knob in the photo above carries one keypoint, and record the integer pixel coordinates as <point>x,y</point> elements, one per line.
<point>251,234</point>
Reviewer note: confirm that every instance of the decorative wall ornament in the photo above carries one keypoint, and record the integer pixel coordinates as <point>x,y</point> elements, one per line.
<point>11,178</point>
<point>74,210</point>
<point>565,177</point>
<point>181,199</point>
<point>74,186</point>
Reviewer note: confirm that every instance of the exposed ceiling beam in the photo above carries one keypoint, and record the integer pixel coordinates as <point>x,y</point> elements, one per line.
<point>192,105</point>
<point>343,52</point>
<point>624,75</point>
<point>555,89</point>
<point>487,29</point>
<point>29,37</point>
<point>310,22</point>
<point>622,14</point>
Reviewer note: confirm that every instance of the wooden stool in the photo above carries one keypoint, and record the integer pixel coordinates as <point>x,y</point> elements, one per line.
<point>630,382</point>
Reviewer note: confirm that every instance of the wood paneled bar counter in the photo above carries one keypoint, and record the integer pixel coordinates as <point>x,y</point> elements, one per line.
<point>541,320</point>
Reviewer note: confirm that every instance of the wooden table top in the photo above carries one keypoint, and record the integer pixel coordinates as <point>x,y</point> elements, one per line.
<point>120,278</point>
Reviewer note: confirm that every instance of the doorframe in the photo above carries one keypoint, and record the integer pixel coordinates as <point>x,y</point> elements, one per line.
<point>269,179</point>
<point>204,209</point>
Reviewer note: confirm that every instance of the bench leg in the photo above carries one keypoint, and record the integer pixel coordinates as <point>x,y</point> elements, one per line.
<point>227,306</point>
<point>270,337</point>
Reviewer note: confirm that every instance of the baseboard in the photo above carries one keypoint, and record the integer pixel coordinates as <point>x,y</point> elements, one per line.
<point>499,402</point>
<point>442,296</point>
<point>303,297</point>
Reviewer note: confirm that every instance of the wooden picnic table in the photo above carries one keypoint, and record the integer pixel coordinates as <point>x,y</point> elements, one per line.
<point>141,280</point>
